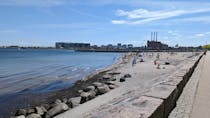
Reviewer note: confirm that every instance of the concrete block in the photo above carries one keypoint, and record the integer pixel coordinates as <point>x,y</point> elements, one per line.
<point>168,93</point>
<point>175,81</point>
<point>142,107</point>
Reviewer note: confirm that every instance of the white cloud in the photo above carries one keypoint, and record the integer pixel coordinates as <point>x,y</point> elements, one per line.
<point>40,3</point>
<point>141,16</point>
<point>9,31</point>
<point>201,19</point>
<point>118,22</point>
<point>202,34</point>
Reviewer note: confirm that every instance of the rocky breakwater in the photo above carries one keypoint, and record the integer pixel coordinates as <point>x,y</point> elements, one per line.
<point>107,83</point>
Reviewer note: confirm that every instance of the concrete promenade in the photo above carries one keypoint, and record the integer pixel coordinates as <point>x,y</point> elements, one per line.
<point>194,100</point>
<point>201,105</point>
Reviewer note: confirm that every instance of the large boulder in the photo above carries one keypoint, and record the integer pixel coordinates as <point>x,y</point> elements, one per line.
<point>97,84</point>
<point>21,116</point>
<point>112,86</point>
<point>110,83</point>
<point>86,96</point>
<point>106,77</point>
<point>21,112</point>
<point>122,79</point>
<point>89,88</point>
<point>30,111</point>
<point>74,102</point>
<point>46,106</point>
<point>127,76</point>
<point>57,101</point>
<point>40,110</point>
<point>64,100</point>
<point>103,89</point>
<point>33,115</point>
<point>56,110</point>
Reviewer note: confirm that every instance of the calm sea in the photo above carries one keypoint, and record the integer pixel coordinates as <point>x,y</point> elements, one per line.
<point>29,70</point>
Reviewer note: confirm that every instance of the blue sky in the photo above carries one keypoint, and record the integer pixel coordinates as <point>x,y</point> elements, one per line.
<point>44,22</point>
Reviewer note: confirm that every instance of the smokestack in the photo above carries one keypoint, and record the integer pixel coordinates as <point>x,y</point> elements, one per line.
<point>156,36</point>
<point>151,35</point>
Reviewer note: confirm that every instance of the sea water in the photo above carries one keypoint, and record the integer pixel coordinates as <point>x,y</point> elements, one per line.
<point>44,70</point>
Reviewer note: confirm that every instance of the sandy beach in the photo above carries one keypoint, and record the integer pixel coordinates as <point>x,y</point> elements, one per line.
<point>145,75</point>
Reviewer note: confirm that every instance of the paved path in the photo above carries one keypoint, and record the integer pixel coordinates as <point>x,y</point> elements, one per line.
<point>201,106</point>
<point>194,101</point>
<point>185,102</point>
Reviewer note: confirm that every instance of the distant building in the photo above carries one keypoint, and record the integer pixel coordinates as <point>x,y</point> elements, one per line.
<point>130,46</point>
<point>156,45</point>
<point>72,45</point>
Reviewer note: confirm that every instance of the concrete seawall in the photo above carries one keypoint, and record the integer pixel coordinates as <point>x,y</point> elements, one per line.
<point>154,100</point>
<point>168,92</point>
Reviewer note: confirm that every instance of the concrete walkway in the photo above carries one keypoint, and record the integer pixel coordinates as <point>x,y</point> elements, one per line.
<point>201,105</point>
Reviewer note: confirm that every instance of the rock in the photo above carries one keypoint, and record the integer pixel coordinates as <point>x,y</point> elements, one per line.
<point>112,86</point>
<point>56,110</point>
<point>97,84</point>
<point>64,100</point>
<point>74,102</point>
<point>92,94</point>
<point>84,97</point>
<point>57,101</point>
<point>89,88</point>
<point>80,91</point>
<point>167,63</point>
<point>110,83</point>
<point>40,110</point>
<point>46,106</point>
<point>33,115</point>
<point>106,77</point>
<point>30,111</point>
<point>103,89</point>
<point>114,73</point>
<point>21,116</point>
<point>113,79</point>
<point>127,76</point>
<point>21,112</point>
<point>122,79</point>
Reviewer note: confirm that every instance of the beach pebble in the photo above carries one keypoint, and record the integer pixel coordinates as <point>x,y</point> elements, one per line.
<point>112,86</point>
<point>33,115</point>
<point>97,84</point>
<point>74,102</point>
<point>122,79</point>
<point>21,112</point>
<point>89,88</point>
<point>127,76</point>
<point>103,89</point>
<point>56,110</point>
